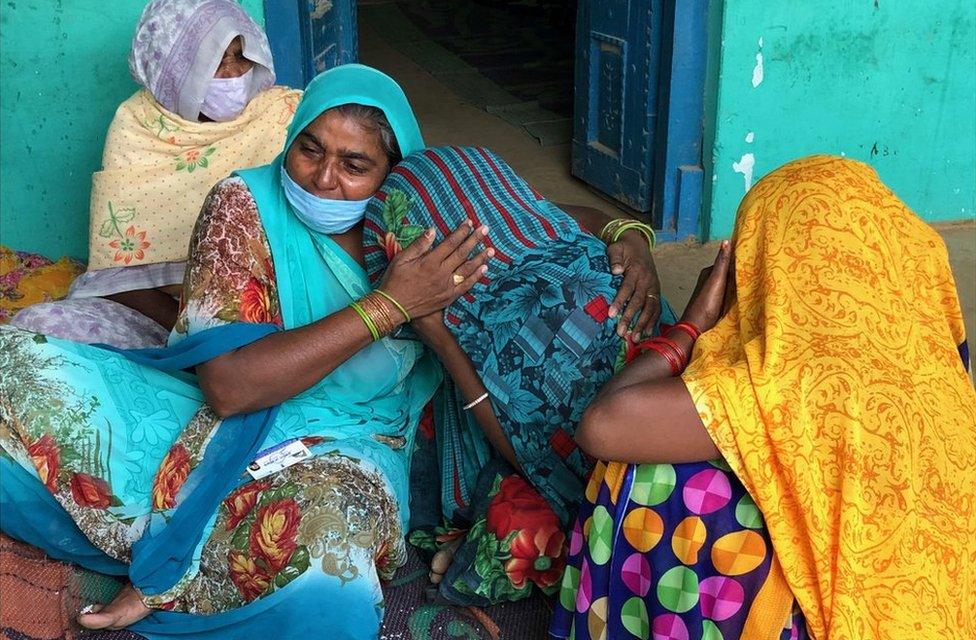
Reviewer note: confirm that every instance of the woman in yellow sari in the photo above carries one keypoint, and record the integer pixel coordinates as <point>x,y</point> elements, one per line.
<point>829,379</point>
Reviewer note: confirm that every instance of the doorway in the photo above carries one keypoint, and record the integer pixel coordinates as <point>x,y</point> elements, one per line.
<point>632,112</point>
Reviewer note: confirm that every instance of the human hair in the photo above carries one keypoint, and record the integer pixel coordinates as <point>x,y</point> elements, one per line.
<point>373,119</point>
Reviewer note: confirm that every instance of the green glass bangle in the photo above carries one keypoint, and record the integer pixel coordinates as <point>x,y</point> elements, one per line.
<point>395,303</point>
<point>366,320</point>
<point>644,229</point>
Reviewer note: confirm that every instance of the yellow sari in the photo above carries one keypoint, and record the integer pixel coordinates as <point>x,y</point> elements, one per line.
<point>834,389</point>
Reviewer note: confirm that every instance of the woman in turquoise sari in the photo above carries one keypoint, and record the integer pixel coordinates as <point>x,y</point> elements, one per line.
<point>129,465</point>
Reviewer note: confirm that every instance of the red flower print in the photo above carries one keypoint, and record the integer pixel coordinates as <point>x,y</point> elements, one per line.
<point>171,475</point>
<point>250,579</point>
<point>518,506</point>
<point>44,454</point>
<point>131,246</point>
<point>89,491</point>
<point>382,556</point>
<point>240,502</point>
<point>255,302</point>
<point>191,156</point>
<point>274,533</point>
<point>427,422</point>
<point>537,557</point>
<point>390,245</point>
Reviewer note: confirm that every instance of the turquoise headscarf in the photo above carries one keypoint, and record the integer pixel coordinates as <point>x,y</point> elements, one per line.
<point>369,405</point>
<point>357,84</point>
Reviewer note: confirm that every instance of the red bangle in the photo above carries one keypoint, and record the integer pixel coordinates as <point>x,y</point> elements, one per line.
<point>668,350</point>
<point>693,332</point>
<point>682,360</point>
<point>665,353</point>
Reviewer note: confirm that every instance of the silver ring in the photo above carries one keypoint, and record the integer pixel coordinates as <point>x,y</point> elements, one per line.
<point>654,295</point>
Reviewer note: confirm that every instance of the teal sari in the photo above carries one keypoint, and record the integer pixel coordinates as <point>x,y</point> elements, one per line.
<point>88,435</point>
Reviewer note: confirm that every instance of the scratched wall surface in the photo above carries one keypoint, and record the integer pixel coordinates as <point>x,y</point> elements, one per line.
<point>890,83</point>
<point>63,72</point>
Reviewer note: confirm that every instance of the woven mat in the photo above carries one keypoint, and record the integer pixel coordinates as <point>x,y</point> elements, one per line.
<point>39,598</point>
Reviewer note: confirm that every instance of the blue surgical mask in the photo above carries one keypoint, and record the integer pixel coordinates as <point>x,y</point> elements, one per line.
<point>322,214</point>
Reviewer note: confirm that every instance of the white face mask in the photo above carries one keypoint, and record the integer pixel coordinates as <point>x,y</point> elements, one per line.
<point>227,97</point>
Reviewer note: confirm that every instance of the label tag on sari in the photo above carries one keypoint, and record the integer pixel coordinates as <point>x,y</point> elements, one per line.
<point>278,457</point>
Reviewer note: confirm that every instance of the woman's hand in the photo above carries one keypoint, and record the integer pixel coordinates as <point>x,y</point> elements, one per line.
<point>707,302</point>
<point>431,328</point>
<point>423,279</point>
<point>640,291</point>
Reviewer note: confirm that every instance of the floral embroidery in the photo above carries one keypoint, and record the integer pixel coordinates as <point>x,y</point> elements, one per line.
<point>89,491</point>
<point>274,532</point>
<point>173,472</point>
<point>537,558</point>
<point>131,246</point>
<point>46,457</point>
<point>162,127</point>
<point>240,503</point>
<point>249,577</point>
<point>190,160</point>
<point>400,233</point>
<point>256,303</point>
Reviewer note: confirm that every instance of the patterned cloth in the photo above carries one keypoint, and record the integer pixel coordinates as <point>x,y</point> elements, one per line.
<point>92,321</point>
<point>30,278</point>
<point>670,552</point>
<point>839,359</point>
<point>317,531</point>
<point>179,43</point>
<point>536,330</point>
<point>158,167</point>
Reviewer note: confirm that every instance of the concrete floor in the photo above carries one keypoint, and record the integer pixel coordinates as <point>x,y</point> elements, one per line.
<point>446,119</point>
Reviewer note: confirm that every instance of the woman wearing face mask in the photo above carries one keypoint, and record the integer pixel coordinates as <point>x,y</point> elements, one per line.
<point>207,106</point>
<point>184,484</point>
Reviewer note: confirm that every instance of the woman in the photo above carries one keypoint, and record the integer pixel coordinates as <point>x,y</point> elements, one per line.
<point>121,467</point>
<point>830,382</point>
<point>525,352</point>
<point>207,106</point>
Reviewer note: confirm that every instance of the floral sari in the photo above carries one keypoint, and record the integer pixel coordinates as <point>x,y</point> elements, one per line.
<point>112,458</point>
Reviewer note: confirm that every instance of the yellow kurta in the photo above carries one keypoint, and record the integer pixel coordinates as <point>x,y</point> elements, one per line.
<point>158,168</point>
<point>834,388</point>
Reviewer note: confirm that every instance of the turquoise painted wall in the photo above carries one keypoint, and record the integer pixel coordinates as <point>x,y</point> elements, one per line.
<point>890,83</point>
<point>63,72</point>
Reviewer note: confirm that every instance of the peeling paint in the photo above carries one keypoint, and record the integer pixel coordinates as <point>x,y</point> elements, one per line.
<point>750,137</point>
<point>745,165</point>
<point>757,71</point>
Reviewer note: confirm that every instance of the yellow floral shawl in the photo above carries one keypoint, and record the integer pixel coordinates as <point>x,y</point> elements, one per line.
<point>158,168</point>
<point>834,388</point>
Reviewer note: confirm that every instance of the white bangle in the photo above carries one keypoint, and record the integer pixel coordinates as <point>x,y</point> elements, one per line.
<point>474,403</point>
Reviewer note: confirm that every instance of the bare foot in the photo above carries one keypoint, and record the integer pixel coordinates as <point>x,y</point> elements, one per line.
<point>125,609</point>
<point>441,561</point>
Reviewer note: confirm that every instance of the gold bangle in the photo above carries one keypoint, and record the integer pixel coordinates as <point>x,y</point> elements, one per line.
<point>395,303</point>
<point>607,232</point>
<point>381,312</point>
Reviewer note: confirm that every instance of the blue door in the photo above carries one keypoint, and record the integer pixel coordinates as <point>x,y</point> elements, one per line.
<point>618,46</point>
<point>640,68</point>
<point>310,36</point>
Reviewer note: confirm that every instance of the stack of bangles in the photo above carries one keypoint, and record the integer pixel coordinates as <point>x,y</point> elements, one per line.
<point>668,349</point>
<point>617,227</point>
<point>377,314</point>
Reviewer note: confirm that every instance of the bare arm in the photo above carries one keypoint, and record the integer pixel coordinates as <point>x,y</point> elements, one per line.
<point>459,367</point>
<point>284,364</point>
<point>645,415</point>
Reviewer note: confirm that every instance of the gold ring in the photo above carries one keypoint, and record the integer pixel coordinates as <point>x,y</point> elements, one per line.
<point>458,279</point>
